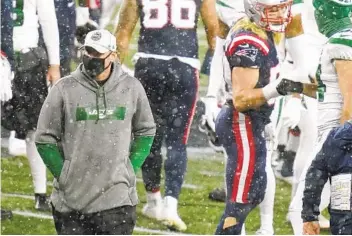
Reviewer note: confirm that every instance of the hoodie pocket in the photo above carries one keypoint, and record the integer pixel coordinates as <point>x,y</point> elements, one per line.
<point>63,175</point>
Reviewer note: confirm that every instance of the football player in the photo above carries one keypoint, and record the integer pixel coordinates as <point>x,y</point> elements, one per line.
<point>34,70</point>
<point>252,56</point>
<point>167,66</point>
<point>333,76</point>
<point>229,12</point>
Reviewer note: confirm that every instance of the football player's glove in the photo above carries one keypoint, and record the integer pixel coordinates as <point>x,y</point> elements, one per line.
<point>213,140</point>
<point>207,124</point>
<point>211,110</point>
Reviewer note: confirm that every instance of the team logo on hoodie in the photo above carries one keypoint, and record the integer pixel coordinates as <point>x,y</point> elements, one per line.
<point>89,113</point>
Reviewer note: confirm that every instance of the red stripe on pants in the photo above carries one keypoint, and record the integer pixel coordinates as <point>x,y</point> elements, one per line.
<point>251,164</point>
<point>239,144</point>
<point>191,111</point>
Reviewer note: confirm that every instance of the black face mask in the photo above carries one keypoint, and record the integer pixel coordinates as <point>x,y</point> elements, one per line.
<point>94,66</point>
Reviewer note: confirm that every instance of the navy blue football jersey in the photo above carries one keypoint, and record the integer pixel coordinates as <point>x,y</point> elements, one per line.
<point>243,48</point>
<point>169,27</point>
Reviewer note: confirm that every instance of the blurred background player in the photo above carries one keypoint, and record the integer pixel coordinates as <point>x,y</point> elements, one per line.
<point>66,19</point>
<point>107,13</point>
<point>94,8</point>
<point>334,98</point>
<point>35,68</point>
<point>167,66</point>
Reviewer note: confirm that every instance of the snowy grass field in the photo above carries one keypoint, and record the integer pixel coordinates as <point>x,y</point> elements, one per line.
<point>200,214</point>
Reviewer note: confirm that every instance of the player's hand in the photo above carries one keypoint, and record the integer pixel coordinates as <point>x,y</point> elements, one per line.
<point>311,228</point>
<point>291,114</point>
<point>287,86</point>
<point>53,74</point>
<point>211,111</point>
<point>5,79</point>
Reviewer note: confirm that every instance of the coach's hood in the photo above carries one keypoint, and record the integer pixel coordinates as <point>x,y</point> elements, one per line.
<point>116,76</point>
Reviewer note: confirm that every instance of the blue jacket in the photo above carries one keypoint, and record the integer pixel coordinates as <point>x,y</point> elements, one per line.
<point>334,158</point>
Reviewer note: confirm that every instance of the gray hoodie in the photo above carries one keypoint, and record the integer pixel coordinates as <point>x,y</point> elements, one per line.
<point>93,126</point>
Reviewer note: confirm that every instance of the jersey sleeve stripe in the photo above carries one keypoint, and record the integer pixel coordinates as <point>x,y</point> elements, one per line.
<point>241,39</point>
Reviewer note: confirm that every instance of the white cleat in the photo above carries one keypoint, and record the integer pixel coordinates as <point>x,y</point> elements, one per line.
<point>171,219</point>
<point>323,222</point>
<point>154,207</point>
<point>153,211</point>
<point>17,147</point>
<point>174,222</point>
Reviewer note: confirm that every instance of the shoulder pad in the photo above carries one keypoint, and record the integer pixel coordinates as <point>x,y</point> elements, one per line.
<point>339,45</point>
<point>246,38</point>
<point>343,37</point>
<point>297,2</point>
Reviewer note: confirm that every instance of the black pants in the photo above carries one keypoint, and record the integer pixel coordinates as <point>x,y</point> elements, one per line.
<point>30,89</point>
<point>118,221</point>
<point>340,222</point>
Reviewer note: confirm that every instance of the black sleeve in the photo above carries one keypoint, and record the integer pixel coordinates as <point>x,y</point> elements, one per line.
<point>316,178</point>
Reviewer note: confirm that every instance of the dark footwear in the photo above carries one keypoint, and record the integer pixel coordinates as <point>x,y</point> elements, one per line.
<point>6,214</point>
<point>218,194</point>
<point>41,202</point>
<point>287,166</point>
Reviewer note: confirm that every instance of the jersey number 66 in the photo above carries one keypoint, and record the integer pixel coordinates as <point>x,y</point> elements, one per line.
<point>158,13</point>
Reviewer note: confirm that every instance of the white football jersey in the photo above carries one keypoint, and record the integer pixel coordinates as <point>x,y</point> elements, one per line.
<point>330,102</point>
<point>314,37</point>
<point>26,14</point>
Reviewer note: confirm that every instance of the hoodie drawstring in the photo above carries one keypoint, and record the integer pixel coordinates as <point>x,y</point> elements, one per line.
<point>105,102</point>
<point>97,103</point>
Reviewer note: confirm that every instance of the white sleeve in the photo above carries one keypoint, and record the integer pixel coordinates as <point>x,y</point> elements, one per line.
<point>339,51</point>
<point>82,15</point>
<point>107,12</point>
<point>297,8</point>
<point>216,69</point>
<point>299,53</point>
<point>48,21</point>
